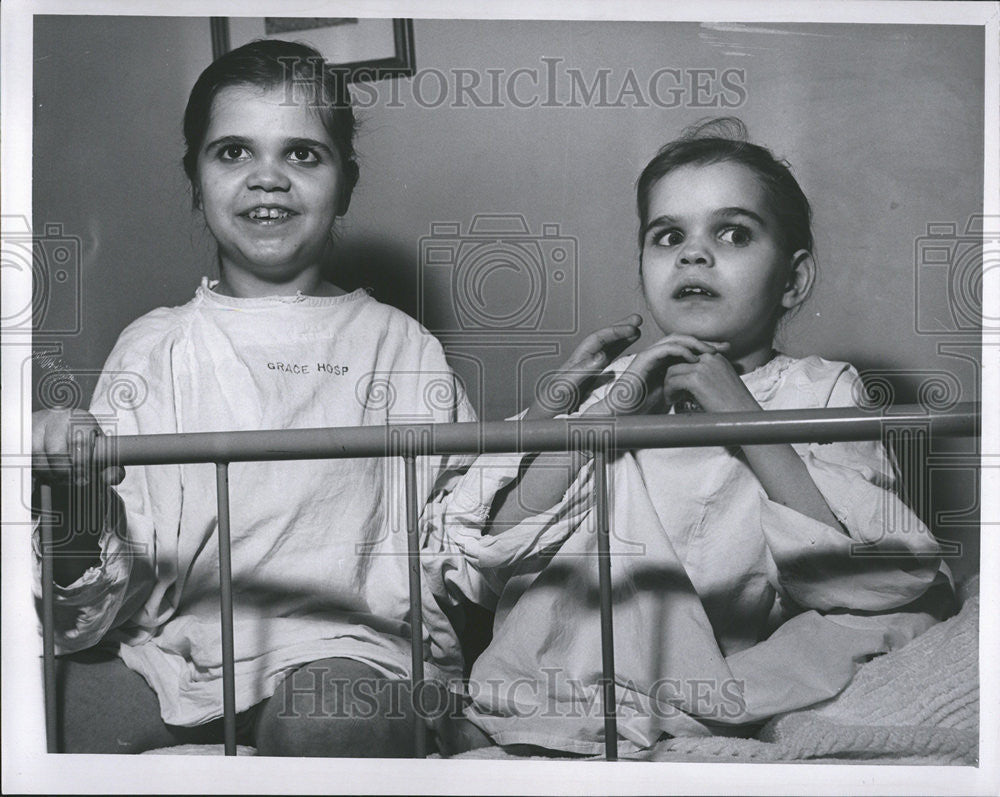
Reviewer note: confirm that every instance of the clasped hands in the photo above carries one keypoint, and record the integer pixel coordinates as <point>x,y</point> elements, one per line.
<point>673,369</point>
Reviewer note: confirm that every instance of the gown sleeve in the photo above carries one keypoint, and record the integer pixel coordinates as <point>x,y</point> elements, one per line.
<point>458,515</point>
<point>130,398</point>
<point>881,558</point>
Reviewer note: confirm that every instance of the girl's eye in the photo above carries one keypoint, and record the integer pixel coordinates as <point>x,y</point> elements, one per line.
<point>232,152</point>
<point>738,236</point>
<point>302,155</point>
<point>668,238</point>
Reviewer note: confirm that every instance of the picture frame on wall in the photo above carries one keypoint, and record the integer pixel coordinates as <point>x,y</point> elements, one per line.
<point>366,49</point>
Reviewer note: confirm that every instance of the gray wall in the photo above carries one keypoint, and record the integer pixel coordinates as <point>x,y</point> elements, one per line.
<point>882,126</point>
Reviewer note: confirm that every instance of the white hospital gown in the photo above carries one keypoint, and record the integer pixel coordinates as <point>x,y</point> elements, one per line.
<point>704,566</point>
<point>318,547</point>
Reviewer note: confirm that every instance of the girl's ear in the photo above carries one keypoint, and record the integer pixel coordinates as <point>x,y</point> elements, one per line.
<point>350,177</point>
<point>800,280</point>
<point>344,203</point>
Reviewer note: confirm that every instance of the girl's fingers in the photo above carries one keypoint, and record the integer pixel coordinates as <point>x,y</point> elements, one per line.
<point>698,345</point>
<point>62,447</point>
<point>681,370</point>
<point>660,355</point>
<point>682,347</point>
<point>77,456</point>
<point>641,384</point>
<point>678,381</point>
<point>604,341</point>
<point>56,446</point>
<point>113,476</point>
<point>627,327</point>
<point>81,454</point>
<point>108,476</point>
<point>563,391</point>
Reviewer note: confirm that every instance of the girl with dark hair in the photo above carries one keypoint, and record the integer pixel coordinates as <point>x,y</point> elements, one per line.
<point>321,605</point>
<point>747,581</point>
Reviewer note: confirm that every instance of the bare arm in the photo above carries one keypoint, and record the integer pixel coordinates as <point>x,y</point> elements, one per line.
<point>786,480</point>
<point>714,383</point>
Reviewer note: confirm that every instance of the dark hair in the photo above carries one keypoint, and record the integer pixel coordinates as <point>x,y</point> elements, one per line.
<point>267,63</point>
<point>725,139</point>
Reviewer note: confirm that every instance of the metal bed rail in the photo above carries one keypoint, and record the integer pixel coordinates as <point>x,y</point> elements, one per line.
<point>600,437</point>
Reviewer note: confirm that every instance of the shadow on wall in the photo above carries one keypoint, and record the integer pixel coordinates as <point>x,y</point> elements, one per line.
<point>390,274</point>
<point>938,477</point>
<point>385,270</point>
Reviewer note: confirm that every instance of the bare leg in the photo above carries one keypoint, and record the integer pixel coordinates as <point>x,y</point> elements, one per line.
<point>339,707</point>
<point>459,734</point>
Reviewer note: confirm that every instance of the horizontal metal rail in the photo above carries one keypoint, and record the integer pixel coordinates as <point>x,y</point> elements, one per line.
<point>647,431</point>
<point>600,436</point>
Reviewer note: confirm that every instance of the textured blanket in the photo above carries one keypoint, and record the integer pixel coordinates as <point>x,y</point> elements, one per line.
<point>916,705</point>
<point>919,704</point>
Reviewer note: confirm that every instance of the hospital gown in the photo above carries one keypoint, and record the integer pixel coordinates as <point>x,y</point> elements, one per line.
<point>728,607</point>
<point>319,547</point>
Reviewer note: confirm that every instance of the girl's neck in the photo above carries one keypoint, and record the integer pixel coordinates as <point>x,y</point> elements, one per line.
<point>236,283</point>
<point>750,361</point>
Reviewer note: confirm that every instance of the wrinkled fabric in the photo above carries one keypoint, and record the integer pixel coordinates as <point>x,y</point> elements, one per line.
<point>704,567</point>
<point>319,552</point>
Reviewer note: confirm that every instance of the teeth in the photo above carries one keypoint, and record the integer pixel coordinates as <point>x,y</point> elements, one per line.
<point>268,213</point>
<point>695,291</point>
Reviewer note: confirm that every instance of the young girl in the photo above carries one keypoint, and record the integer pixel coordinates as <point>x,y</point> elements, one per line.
<point>746,580</point>
<point>319,560</point>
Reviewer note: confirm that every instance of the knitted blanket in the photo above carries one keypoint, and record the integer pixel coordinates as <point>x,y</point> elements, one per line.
<point>916,705</point>
<point>919,704</point>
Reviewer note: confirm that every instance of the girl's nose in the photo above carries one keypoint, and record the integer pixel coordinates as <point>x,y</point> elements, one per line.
<point>268,176</point>
<point>694,253</point>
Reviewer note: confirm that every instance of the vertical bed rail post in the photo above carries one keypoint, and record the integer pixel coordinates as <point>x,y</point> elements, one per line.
<point>226,604</point>
<point>416,608</point>
<point>48,621</point>
<point>600,450</point>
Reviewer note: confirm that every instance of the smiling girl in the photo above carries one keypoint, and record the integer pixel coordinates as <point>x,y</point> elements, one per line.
<point>321,603</point>
<point>747,580</point>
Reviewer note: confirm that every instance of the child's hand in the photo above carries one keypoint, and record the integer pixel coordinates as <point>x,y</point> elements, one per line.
<point>563,391</point>
<point>62,447</point>
<point>640,389</point>
<point>712,381</point>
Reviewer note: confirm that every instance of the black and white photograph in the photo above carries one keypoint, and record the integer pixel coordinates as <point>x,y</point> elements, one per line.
<point>602,394</point>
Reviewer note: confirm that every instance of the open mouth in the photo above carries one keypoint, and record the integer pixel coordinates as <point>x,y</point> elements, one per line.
<point>689,291</point>
<point>268,214</point>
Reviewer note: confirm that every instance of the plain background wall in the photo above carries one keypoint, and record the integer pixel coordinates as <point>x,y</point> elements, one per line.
<point>882,126</point>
